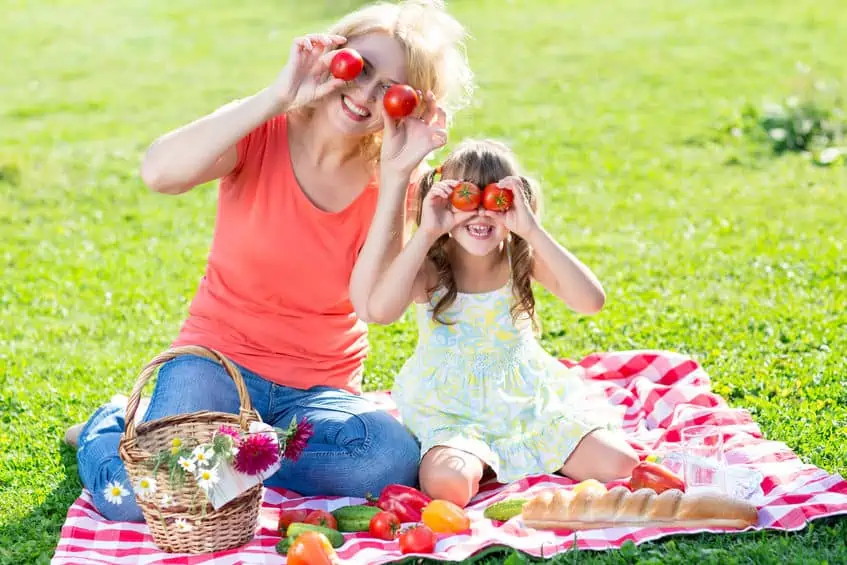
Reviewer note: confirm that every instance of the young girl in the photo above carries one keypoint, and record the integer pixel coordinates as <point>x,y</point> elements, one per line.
<point>479,392</point>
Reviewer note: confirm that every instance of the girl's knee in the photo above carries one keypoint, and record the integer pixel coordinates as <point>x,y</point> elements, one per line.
<point>451,475</point>
<point>602,456</point>
<point>619,464</point>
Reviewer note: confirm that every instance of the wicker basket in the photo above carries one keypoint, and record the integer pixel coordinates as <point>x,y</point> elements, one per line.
<point>230,526</point>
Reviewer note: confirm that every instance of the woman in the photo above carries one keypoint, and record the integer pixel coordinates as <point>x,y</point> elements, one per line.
<point>305,165</point>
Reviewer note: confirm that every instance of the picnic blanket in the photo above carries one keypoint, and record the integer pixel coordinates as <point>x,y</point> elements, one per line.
<point>661,392</point>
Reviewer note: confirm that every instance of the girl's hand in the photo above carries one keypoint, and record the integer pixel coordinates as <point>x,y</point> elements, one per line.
<point>518,219</point>
<point>407,141</point>
<point>438,216</point>
<point>306,76</point>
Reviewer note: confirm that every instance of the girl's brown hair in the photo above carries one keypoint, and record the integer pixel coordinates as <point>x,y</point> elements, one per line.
<point>482,163</point>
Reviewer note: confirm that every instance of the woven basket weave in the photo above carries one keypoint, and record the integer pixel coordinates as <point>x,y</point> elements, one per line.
<point>232,525</point>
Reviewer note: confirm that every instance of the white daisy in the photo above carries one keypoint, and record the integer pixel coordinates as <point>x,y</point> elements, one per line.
<point>115,492</point>
<point>186,464</point>
<point>202,455</point>
<point>145,487</point>
<point>182,525</point>
<point>207,477</point>
<point>167,500</point>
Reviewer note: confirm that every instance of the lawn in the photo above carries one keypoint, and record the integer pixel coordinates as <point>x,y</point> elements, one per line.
<point>707,243</point>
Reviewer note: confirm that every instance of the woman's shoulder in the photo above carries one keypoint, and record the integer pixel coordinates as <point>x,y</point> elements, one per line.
<point>251,149</point>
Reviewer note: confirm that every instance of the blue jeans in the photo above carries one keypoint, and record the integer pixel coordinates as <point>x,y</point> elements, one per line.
<point>356,448</point>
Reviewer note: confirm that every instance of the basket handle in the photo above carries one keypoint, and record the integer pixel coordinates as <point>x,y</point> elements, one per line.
<point>246,408</point>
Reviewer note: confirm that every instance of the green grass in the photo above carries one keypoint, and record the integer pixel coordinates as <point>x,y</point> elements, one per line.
<point>706,243</point>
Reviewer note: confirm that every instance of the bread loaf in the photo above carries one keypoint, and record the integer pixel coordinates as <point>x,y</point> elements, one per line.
<point>585,510</point>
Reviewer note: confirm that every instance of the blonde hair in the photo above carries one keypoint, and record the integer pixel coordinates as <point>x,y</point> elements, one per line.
<point>483,162</point>
<point>434,42</point>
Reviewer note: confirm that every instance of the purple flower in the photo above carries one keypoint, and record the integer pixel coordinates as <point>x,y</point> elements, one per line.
<point>256,454</point>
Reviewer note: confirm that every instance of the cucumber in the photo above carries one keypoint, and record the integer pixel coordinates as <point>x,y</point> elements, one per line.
<point>505,510</point>
<point>284,545</point>
<point>356,518</point>
<point>334,536</point>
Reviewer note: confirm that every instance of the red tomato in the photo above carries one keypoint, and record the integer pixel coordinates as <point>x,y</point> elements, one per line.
<point>417,539</point>
<point>654,476</point>
<point>384,525</point>
<point>287,517</point>
<point>321,518</point>
<point>466,196</point>
<point>497,198</point>
<point>311,548</point>
<point>400,100</point>
<point>346,64</point>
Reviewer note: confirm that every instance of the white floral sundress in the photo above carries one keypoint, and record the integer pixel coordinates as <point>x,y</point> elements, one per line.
<point>485,386</point>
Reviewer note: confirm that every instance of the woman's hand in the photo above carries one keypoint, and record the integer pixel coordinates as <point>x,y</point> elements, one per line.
<point>518,219</point>
<point>438,216</point>
<point>306,78</point>
<point>407,141</point>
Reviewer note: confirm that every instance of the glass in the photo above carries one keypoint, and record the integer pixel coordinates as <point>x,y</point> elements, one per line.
<point>704,458</point>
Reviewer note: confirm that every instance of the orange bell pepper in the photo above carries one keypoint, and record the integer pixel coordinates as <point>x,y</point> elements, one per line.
<point>443,516</point>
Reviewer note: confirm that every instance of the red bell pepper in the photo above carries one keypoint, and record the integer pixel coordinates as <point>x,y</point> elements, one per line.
<point>656,477</point>
<point>405,502</point>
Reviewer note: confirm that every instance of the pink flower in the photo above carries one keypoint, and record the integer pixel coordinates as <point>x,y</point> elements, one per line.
<point>229,431</point>
<point>297,442</point>
<point>256,454</point>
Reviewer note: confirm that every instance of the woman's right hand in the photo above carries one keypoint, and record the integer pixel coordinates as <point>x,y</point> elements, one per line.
<point>438,215</point>
<point>306,76</point>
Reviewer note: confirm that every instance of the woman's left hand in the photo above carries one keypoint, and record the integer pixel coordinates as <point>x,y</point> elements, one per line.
<point>406,142</point>
<point>519,218</point>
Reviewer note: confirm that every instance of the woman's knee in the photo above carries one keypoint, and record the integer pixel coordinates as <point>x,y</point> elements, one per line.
<point>191,383</point>
<point>392,452</point>
<point>450,474</point>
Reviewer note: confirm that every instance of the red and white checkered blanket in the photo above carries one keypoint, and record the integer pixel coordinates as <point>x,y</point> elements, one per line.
<point>662,392</point>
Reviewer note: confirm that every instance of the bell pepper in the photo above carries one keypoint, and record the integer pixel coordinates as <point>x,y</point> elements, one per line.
<point>406,503</point>
<point>444,517</point>
<point>654,476</point>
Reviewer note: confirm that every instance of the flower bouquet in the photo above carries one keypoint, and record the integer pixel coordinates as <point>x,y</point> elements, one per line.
<point>198,477</point>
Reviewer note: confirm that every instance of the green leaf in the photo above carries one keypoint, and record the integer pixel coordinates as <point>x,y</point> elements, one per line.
<point>629,549</point>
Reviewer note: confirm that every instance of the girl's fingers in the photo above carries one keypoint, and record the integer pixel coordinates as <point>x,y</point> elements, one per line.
<point>463,216</point>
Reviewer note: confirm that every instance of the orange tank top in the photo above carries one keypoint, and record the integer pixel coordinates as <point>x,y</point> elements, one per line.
<point>275,297</point>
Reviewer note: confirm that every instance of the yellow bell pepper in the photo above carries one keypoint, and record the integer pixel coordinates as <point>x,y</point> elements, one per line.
<point>591,485</point>
<point>443,516</point>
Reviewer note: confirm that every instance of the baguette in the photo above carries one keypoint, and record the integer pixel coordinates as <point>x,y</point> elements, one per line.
<point>561,509</point>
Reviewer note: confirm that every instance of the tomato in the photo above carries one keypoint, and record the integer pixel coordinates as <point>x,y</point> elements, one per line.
<point>466,196</point>
<point>497,198</point>
<point>287,517</point>
<point>321,518</point>
<point>654,476</point>
<point>346,64</point>
<point>311,548</point>
<point>400,100</point>
<point>445,517</point>
<point>384,525</point>
<point>417,539</point>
